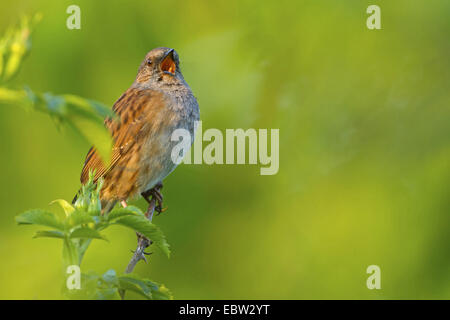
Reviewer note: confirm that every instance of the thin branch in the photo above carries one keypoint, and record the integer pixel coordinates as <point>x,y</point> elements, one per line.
<point>143,242</point>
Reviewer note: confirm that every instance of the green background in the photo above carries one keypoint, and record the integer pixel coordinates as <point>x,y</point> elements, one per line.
<point>364,173</point>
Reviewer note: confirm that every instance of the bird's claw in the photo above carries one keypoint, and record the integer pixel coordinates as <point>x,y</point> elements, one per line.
<point>156,195</point>
<point>143,256</point>
<point>159,209</point>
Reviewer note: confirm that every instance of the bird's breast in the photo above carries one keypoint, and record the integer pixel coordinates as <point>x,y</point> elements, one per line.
<point>156,154</point>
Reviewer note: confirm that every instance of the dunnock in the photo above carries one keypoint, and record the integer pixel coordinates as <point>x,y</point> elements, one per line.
<point>158,102</point>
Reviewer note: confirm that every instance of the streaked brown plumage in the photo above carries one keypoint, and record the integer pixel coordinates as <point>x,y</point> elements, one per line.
<point>157,103</point>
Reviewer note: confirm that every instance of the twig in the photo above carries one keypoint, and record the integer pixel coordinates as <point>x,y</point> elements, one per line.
<point>143,243</point>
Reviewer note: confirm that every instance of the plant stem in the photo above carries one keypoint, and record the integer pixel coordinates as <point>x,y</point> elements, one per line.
<point>143,243</point>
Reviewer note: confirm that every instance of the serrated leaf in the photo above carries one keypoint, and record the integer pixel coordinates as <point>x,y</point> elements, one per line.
<point>150,288</point>
<point>142,225</point>
<point>86,233</point>
<point>40,217</point>
<point>66,206</point>
<point>49,234</point>
<point>162,293</point>
<point>122,212</point>
<point>133,277</point>
<point>135,285</point>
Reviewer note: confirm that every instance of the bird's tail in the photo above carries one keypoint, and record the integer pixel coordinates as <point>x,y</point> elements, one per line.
<point>76,197</point>
<point>107,206</point>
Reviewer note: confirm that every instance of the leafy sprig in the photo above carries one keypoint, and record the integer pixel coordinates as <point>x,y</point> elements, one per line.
<point>84,222</point>
<point>109,285</point>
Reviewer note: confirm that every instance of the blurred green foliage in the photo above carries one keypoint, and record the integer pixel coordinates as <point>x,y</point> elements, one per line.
<point>364,146</point>
<point>15,45</point>
<point>82,223</point>
<point>84,115</point>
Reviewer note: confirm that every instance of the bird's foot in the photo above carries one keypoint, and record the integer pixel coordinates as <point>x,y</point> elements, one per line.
<point>157,196</point>
<point>139,254</point>
<point>143,243</point>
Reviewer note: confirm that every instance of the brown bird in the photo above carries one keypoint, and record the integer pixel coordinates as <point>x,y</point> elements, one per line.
<point>158,102</point>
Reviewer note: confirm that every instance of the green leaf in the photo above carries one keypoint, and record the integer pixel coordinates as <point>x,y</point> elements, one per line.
<point>162,293</point>
<point>40,217</point>
<point>142,225</point>
<point>88,290</point>
<point>84,116</point>
<point>49,234</point>
<point>88,121</point>
<point>66,206</point>
<point>107,294</point>
<point>79,217</point>
<point>16,45</point>
<point>94,132</point>
<point>86,233</point>
<point>110,277</point>
<point>14,97</point>
<point>147,288</point>
<point>81,105</point>
<point>135,285</point>
<point>122,212</point>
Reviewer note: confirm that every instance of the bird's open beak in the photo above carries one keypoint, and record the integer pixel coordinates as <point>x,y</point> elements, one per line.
<point>168,64</point>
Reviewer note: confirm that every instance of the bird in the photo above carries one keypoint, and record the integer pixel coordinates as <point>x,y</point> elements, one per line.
<point>158,102</point>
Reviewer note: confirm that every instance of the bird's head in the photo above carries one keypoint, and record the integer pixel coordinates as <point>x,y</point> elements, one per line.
<point>161,66</point>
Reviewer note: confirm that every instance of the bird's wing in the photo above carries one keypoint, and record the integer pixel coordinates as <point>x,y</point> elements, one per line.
<point>135,108</point>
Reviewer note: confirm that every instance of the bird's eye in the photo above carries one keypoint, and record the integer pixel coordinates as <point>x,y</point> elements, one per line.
<point>149,61</point>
